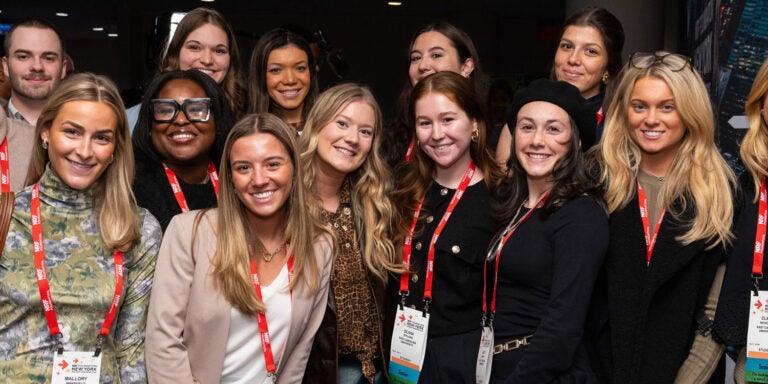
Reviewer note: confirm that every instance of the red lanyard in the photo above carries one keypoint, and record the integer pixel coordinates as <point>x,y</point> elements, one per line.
<point>510,230</point>
<point>176,187</point>
<point>269,358</point>
<point>650,240</point>
<point>404,277</point>
<point>42,277</point>
<point>600,115</point>
<point>762,214</point>
<point>5,167</point>
<point>409,152</point>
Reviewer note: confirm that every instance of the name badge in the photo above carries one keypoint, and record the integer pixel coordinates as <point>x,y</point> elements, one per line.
<point>409,342</point>
<point>757,339</point>
<point>76,368</point>
<point>484,357</point>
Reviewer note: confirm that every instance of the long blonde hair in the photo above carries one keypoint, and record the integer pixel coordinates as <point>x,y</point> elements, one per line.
<point>754,148</point>
<point>372,186</point>
<point>698,175</point>
<point>113,198</point>
<point>231,269</point>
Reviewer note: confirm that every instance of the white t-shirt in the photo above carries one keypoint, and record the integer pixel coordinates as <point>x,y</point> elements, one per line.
<point>244,358</point>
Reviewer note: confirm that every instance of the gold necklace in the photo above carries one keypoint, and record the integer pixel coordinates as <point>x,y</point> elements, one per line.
<point>269,255</point>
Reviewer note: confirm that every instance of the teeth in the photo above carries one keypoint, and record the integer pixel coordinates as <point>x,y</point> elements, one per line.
<point>652,133</point>
<point>206,71</point>
<point>537,156</point>
<point>442,147</point>
<point>263,195</point>
<point>291,93</point>
<point>81,165</point>
<point>345,151</point>
<point>183,136</point>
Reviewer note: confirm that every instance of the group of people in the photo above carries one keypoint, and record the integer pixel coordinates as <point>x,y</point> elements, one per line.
<point>218,232</point>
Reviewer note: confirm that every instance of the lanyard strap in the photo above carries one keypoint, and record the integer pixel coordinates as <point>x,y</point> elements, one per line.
<point>269,358</point>
<point>404,281</point>
<point>511,228</point>
<point>762,214</point>
<point>176,187</point>
<point>5,167</point>
<point>600,115</point>
<point>650,240</point>
<point>409,152</point>
<point>42,277</point>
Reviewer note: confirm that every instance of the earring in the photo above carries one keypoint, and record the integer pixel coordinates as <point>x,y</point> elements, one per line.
<point>605,78</point>
<point>44,144</point>
<point>475,135</point>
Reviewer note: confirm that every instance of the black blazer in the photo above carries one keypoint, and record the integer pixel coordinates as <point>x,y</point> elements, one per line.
<point>652,309</point>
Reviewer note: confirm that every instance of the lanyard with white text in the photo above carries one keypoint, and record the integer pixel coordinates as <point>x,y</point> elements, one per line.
<point>269,358</point>
<point>650,240</point>
<point>5,167</point>
<point>409,152</point>
<point>42,278</point>
<point>404,277</point>
<point>511,228</point>
<point>759,248</point>
<point>176,187</point>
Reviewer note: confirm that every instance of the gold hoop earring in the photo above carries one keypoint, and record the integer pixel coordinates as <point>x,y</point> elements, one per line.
<point>605,78</point>
<point>44,144</point>
<point>475,135</point>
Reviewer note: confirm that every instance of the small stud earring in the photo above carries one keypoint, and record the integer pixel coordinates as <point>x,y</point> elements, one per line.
<point>44,144</point>
<point>475,135</point>
<point>605,78</point>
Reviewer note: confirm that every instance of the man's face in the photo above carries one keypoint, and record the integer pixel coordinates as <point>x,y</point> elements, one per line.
<point>34,63</point>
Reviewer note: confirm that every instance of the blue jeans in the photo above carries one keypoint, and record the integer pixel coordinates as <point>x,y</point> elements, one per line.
<point>350,372</point>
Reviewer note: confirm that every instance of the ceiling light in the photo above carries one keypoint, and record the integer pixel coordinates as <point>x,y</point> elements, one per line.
<point>98,29</point>
<point>395,3</point>
<point>112,34</point>
<point>62,14</point>
<point>207,1</point>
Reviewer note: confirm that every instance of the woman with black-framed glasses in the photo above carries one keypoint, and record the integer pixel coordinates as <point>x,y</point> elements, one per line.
<point>670,195</point>
<point>178,140</point>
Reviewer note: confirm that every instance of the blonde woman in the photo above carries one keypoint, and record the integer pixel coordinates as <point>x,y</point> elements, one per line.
<point>669,195</point>
<point>349,186</point>
<point>733,309</point>
<point>92,245</point>
<point>241,289</point>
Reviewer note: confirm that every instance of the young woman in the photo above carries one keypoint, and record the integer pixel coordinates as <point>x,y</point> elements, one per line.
<point>205,41</point>
<point>282,77</point>
<point>435,47</point>
<point>588,56</point>
<point>733,308</point>
<point>444,195</point>
<point>349,186</point>
<point>543,265</point>
<point>241,290</point>
<point>669,194</point>
<point>78,241</point>
<point>178,140</point>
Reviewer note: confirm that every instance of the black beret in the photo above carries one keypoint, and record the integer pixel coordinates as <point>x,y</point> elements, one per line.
<point>565,96</point>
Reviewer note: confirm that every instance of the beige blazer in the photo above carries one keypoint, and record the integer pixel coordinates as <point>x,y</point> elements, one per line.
<point>188,323</point>
<point>21,138</point>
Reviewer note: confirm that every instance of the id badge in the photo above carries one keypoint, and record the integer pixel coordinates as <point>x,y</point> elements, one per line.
<point>409,342</point>
<point>757,339</point>
<point>484,357</point>
<point>76,368</point>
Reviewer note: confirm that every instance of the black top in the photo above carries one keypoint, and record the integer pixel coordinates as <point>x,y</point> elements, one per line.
<point>732,316</point>
<point>457,288</point>
<point>154,193</point>
<point>546,276</point>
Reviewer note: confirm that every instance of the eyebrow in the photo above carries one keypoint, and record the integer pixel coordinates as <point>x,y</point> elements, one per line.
<point>27,51</point>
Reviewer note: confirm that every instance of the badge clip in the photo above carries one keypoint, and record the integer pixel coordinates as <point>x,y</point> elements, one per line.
<point>426,307</point>
<point>756,286</point>
<point>403,296</point>
<point>99,342</point>
<point>59,344</point>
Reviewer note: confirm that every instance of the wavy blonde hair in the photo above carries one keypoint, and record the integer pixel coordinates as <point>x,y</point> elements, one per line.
<point>371,182</point>
<point>231,267</point>
<point>754,147</point>
<point>113,198</point>
<point>698,176</point>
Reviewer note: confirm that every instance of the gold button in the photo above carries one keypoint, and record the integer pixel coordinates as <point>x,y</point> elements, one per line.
<point>455,249</point>
<point>430,219</point>
<point>347,245</point>
<point>417,245</point>
<point>443,191</point>
<point>344,227</point>
<point>335,225</point>
<point>414,278</point>
<point>347,211</point>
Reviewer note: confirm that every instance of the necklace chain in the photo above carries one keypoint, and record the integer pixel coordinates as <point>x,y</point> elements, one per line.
<point>269,255</point>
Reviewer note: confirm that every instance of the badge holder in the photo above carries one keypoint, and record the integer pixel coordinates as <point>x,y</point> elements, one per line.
<point>756,369</point>
<point>76,367</point>
<point>485,353</point>
<point>409,343</point>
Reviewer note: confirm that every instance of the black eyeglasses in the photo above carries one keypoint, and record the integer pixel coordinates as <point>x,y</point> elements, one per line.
<point>675,62</point>
<point>166,110</point>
